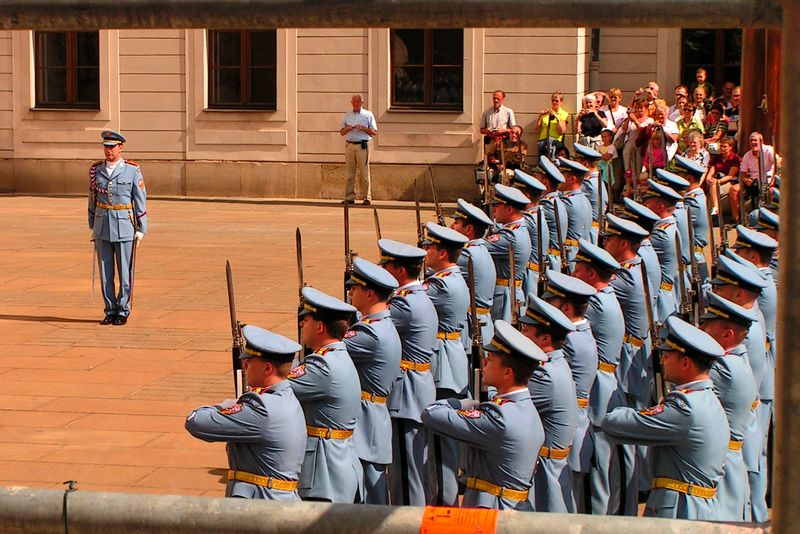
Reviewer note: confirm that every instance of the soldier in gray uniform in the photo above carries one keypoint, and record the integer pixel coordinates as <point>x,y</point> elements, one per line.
<point>264,428</point>
<point>735,387</point>
<point>473,223</point>
<point>661,200</point>
<point>414,316</point>
<point>742,284</point>
<point>688,432</point>
<point>680,186</point>
<point>696,208</point>
<point>511,230</point>
<point>622,241</point>
<point>327,385</point>
<point>590,158</point>
<point>597,267</point>
<point>552,178</point>
<point>500,438</point>
<point>450,367</point>
<point>553,392</point>
<point>579,209</point>
<point>758,248</point>
<point>374,347</point>
<point>768,223</point>
<point>571,296</point>
<point>118,221</point>
<point>533,189</point>
<point>644,217</point>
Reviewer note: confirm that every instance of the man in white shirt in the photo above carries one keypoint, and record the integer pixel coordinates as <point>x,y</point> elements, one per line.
<point>749,171</point>
<point>358,128</point>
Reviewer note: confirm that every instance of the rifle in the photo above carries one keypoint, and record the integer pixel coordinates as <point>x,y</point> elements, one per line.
<point>723,234</point>
<point>94,265</point>
<point>377,223</point>
<point>476,337</point>
<point>696,291</point>
<point>542,281</point>
<point>655,354</point>
<point>236,334</point>
<point>298,239</point>
<point>601,230</point>
<point>437,206</point>
<point>711,240</point>
<point>562,250</point>
<point>132,266</point>
<point>486,195</point>
<point>512,286</point>
<point>763,188</point>
<point>420,230</point>
<point>685,308</point>
<point>348,254</point>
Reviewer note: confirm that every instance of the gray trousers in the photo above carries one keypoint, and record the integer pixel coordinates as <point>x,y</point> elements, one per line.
<point>376,488</point>
<point>409,470</point>
<point>109,254</point>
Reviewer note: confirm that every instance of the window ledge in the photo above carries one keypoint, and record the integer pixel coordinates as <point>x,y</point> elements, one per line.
<point>90,110</point>
<point>403,109</point>
<point>239,110</point>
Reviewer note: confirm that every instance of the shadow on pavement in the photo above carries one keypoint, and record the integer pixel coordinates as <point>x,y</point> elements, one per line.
<point>45,319</point>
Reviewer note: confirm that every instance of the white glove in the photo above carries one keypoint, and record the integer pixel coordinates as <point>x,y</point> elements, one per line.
<point>138,236</point>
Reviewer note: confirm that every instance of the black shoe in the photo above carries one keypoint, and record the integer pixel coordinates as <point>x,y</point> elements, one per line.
<point>348,201</point>
<point>120,320</point>
<point>108,319</point>
<point>366,202</point>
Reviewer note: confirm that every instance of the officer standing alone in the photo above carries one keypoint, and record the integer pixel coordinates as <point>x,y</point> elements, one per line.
<point>118,221</point>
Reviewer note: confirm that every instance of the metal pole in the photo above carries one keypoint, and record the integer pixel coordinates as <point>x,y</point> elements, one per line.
<point>236,14</point>
<point>787,375</point>
<point>24,510</point>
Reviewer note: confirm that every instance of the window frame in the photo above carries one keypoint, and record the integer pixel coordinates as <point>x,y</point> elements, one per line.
<point>71,66</point>
<point>428,66</point>
<point>720,65</point>
<point>245,68</point>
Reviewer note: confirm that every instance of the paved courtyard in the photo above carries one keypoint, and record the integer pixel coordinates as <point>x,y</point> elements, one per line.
<point>105,405</point>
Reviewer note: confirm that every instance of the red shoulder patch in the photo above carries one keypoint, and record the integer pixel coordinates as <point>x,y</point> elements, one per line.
<point>370,320</point>
<point>443,274</point>
<point>349,334</point>
<point>474,413</point>
<point>236,408</point>
<point>403,292</point>
<point>513,226</point>
<point>500,401</point>
<point>131,162</point>
<point>297,372</point>
<point>141,183</point>
<point>653,410</point>
<point>322,351</point>
<point>492,238</point>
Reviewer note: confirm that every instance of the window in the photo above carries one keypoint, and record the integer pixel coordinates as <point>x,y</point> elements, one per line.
<point>67,69</point>
<point>717,51</point>
<point>427,69</point>
<point>242,69</point>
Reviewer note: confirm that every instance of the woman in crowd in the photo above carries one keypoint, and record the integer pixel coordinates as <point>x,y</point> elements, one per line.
<point>629,131</point>
<point>723,168</point>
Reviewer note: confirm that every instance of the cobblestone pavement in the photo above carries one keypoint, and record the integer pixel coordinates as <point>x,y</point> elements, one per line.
<point>104,405</point>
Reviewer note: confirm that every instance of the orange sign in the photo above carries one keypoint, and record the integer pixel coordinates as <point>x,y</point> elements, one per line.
<point>439,520</point>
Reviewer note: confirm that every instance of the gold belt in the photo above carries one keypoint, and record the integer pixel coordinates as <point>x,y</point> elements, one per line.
<point>448,335</point>
<point>666,286</point>
<point>572,242</point>
<point>328,433</point>
<point>633,340</point>
<point>595,224</point>
<point>735,445</point>
<point>607,367</point>
<point>117,207</point>
<point>554,251</point>
<point>371,397</point>
<point>582,403</point>
<point>556,454</point>
<point>504,282</point>
<point>755,405</point>
<point>684,487</point>
<point>261,480</point>
<point>407,365</point>
<point>497,491</point>
<point>482,311</point>
<point>698,249</point>
<point>533,266</point>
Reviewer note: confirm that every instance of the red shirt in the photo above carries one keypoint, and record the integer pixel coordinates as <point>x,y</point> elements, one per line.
<point>725,166</point>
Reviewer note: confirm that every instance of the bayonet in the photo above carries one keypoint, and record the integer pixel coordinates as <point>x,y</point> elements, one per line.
<point>562,250</point>
<point>512,286</point>
<point>348,254</point>
<point>420,230</point>
<point>723,233</point>
<point>542,279</point>
<point>711,239</point>
<point>236,334</point>
<point>475,331</point>
<point>655,353</point>
<point>377,223</point>
<point>438,208</point>
<point>696,291</point>
<point>685,306</point>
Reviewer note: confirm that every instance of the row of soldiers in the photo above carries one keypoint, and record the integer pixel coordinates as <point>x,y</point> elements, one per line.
<point>578,419</point>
